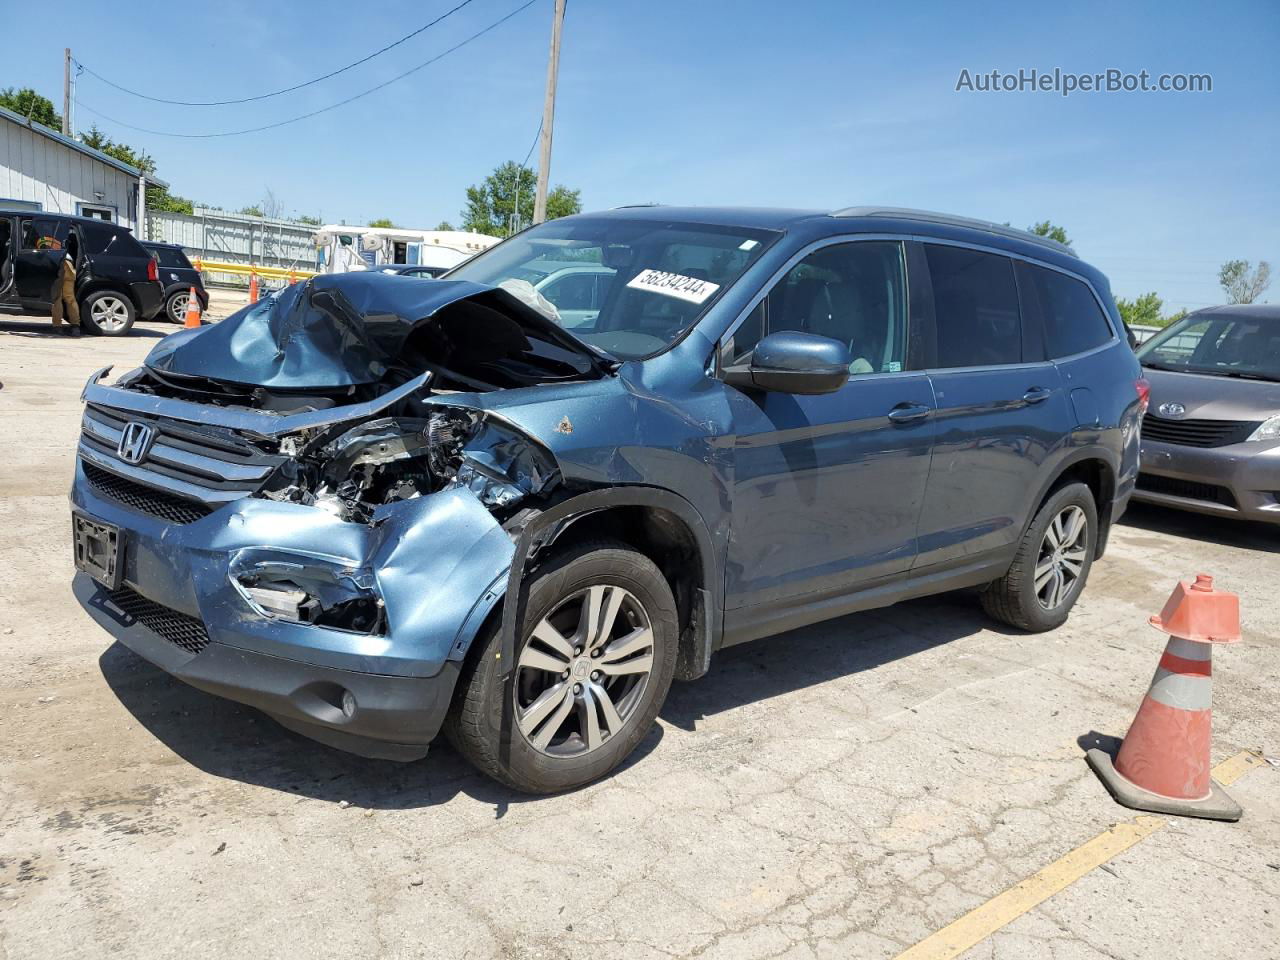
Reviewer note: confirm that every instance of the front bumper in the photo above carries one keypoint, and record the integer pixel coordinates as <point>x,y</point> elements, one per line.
<point>1241,480</point>
<point>438,564</point>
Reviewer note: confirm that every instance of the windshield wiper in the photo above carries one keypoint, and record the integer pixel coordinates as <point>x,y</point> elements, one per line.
<point>1244,375</point>
<point>1162,366</point>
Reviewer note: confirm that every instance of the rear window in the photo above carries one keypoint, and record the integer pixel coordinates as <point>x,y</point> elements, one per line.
<point>169,257</point>
<point>111,241</point>
<point>976,306</point>
<point>1073,320</point>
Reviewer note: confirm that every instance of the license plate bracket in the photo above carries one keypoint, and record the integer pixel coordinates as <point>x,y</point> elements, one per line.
<point>98,550</point>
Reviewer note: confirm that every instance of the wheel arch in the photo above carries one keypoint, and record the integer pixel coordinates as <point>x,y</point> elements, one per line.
<point>1094,469</point>
<point>657,523</point>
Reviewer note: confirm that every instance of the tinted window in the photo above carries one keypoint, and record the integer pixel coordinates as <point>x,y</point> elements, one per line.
<point>44,233</point>
<point>851,292</point>
<point>1073,321</point>
<point>109,240</point>
<point>976,306</point>
<point>169,257</point>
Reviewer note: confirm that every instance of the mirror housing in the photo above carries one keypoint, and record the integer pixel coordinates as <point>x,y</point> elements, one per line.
<point>793,362</point>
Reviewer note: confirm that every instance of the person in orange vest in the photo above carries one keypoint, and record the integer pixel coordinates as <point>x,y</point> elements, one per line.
<point>64,292</point>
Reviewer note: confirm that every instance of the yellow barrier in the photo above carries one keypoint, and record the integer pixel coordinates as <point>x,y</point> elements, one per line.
<point>245,270</point>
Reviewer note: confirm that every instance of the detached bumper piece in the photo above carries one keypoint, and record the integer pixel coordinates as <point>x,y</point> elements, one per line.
<point>372,715</point>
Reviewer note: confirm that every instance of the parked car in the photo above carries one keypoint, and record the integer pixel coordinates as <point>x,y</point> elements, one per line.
<point>116,279</point>
<point>178,276</point>
<point>374,507</point>
<point>1211,440</point>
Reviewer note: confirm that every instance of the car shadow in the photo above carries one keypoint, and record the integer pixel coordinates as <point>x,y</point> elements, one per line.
<point>1245,534</point>
<point>236,742</point>
<point>46,331</point>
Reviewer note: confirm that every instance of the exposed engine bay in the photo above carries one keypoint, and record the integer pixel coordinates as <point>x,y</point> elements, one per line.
<point>368,362</point>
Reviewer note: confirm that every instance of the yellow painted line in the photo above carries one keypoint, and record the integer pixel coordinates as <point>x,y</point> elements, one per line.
<point>979,923</point>
<point>1232,769</point>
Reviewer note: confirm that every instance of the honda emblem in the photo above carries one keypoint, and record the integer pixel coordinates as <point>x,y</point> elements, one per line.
<point>135,441</point>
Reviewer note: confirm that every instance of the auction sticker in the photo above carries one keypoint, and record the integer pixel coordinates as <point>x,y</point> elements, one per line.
<point>673,285</point>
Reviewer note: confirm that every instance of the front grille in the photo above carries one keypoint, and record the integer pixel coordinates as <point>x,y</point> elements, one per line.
<point>1197,433</point>
<point>1187,489</point>
<point>190,463</point>
<point>144,499</point>
<point>178,628</point>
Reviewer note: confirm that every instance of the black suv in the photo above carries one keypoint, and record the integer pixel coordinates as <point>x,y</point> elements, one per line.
<point>178,276</point>
<point>117,281</point>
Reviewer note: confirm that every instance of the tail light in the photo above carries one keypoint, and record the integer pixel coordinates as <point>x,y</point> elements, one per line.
<point>1143,386</point>
<point>153,272</point>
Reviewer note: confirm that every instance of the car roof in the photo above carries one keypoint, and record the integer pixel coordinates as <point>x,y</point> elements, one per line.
<point>51,215</point>
<point>160,243</point>
<point>1260,311</point>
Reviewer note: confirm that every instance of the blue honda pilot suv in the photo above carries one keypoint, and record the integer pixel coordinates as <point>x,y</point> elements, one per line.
<point>377,506</point>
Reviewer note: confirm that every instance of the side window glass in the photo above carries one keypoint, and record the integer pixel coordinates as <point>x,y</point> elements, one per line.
<point>976,307</point>
<point>851,292</point>
<point>571,292</point>
<point>1073,321</point>
<point>39,233</point>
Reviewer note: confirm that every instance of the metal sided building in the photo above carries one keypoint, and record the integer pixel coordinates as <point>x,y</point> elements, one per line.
<point>40,169</point>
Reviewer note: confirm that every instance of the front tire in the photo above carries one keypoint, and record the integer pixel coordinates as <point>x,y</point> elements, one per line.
<point>594,659</point>
<point>108,313</point>
<point>1051,566</point>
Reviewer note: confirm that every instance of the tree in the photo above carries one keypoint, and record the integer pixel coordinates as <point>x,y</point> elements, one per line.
<point>1046,229</point>
<point>1243,282</point>
<point>1144,311</point>
<point>308,220</point>
<point>381,222</point>
<point>253,210</point>
<point>30,104</point>
<point>509,189</point>
<point>444,225</point>
<point>158,197</point>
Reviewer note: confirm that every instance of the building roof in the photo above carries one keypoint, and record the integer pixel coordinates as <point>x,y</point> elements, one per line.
<point>76,145</point>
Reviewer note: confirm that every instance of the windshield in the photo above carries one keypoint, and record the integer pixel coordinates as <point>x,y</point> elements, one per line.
<point>629,287</point>
<point>1224,345</point>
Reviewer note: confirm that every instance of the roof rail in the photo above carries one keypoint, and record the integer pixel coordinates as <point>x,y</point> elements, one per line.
<point>986,226</point>
<point>629,206</point>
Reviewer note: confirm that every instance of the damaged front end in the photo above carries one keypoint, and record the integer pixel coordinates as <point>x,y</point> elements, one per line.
<point>355,517</point>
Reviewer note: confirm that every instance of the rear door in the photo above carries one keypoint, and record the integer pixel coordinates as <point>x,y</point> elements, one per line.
<point>827,489</point>
<point>8,246</point>
<point>1001,406</point>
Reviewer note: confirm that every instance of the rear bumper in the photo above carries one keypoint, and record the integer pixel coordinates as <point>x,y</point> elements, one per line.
<point>148,297</point>
<point>1241,480</point>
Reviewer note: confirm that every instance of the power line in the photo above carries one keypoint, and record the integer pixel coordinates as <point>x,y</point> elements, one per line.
<point>313,113</point>
<point>276,93</point>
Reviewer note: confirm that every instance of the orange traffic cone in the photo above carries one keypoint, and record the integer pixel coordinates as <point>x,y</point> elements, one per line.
<point>293,278</point>
<point>1163,763</point>
<point>253,288</point>
<point>193,309</point>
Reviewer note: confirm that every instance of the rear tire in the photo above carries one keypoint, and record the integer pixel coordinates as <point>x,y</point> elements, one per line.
<point>107,313</point>
<point>1051,566</point>
<point>175,307</point>
<point>567,731</point>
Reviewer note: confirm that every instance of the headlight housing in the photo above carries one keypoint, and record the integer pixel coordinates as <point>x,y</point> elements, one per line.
<point>1267,430</point>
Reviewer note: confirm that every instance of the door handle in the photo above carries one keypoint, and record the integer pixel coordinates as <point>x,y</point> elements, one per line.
<point>909,412</point>
<point>1036,395</point>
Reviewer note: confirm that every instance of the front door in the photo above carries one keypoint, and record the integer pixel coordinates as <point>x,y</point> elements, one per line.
<point>38,259</point>
<point>827,489</point>
<point>8,294</point>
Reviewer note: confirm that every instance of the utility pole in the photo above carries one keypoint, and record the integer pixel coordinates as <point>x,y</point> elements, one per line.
<point>548,117</point>
<point>66,91</point>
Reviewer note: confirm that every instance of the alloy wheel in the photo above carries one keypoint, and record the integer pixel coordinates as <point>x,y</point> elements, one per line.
<point>1061,558</point>
<point>583,671</point>
<point>110,314</point>
<point>178,307</point>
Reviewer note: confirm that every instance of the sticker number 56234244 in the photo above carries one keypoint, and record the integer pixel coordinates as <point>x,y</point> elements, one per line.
<point>673,285</point>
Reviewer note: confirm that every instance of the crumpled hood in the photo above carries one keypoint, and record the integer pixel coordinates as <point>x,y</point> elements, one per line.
<point>335,331</point>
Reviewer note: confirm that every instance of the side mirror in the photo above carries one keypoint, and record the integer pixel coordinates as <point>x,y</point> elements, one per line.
<point>792,362</point>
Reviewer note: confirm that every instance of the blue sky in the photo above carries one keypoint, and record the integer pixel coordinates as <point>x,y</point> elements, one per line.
<point>759,102</point>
